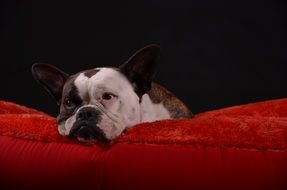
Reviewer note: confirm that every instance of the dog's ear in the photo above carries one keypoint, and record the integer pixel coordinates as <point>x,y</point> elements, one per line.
<point>51,78</point>
<point>140,68</point>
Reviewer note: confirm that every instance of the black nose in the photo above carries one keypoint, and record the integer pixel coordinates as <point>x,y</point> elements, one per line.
<point>87,113</point>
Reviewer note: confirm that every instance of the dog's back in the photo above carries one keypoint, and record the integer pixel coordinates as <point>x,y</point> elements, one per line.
<point>176,108</point>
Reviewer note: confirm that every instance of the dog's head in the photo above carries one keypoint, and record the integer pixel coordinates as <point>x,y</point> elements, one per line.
<point>98,104</point>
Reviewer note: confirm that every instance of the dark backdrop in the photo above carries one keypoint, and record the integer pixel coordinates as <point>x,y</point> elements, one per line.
<point>214,53</point>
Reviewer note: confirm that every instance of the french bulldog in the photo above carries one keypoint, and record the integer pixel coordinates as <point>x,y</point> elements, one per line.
<point>100,103</point>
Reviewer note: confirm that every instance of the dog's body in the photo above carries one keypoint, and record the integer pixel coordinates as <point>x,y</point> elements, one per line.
<point>100,103</point>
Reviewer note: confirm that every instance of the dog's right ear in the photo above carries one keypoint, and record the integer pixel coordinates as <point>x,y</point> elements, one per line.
<point>51,78</point>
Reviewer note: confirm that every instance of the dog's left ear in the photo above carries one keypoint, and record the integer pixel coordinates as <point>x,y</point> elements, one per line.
<point>140,68</point>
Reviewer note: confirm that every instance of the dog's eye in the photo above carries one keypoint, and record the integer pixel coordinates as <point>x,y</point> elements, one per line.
<point>108,96</point>
<point>68,103</point>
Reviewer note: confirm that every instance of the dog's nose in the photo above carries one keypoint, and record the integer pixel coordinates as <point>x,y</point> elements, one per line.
<point>87,113</point>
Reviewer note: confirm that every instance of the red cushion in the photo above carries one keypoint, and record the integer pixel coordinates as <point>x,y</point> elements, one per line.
<point>238,147</point>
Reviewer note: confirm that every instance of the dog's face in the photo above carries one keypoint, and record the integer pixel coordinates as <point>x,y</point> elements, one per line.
<point>98,104</point>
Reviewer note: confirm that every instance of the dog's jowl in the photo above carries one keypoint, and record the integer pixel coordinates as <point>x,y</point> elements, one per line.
<point>98,104</point>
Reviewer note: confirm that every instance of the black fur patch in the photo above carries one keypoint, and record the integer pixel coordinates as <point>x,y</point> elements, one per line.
<point>91,72</point>
<point>70,92</point>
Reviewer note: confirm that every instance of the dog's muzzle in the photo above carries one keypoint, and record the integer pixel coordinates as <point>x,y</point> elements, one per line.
<point>85,126</point>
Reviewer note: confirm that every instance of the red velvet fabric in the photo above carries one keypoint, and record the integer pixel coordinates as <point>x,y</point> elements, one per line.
<point>241,147</point>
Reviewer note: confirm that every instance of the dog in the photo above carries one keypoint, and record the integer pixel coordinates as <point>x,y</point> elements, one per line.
<point>99,104</point>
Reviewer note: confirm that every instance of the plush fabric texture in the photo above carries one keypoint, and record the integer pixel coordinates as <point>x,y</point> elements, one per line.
<point>258,126</point>
<point>232,148</point>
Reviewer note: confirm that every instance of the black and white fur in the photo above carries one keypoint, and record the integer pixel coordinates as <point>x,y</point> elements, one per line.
<point>100,103</point>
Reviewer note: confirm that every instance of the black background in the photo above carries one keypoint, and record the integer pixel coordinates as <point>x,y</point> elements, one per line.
<point>214,53</point>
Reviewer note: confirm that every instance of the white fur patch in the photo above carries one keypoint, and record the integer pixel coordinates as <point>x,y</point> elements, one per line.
<point>81,83</point>
<point>152,112</point>
<point>65,128</point>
